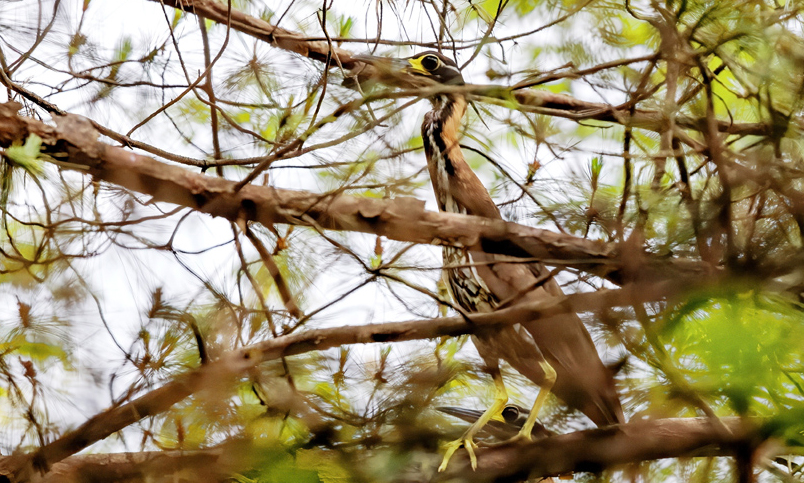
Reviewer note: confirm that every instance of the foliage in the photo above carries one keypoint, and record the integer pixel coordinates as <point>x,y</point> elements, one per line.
<point>111,296</point>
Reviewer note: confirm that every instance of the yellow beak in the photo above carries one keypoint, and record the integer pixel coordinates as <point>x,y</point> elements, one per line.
<point>416,67</point>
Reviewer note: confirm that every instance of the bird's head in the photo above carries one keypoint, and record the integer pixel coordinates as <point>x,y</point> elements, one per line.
<point>435,66</point>
<point>416,71</point>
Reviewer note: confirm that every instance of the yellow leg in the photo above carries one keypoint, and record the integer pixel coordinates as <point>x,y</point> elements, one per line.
<point>467,440</point>
<point>546,387</point>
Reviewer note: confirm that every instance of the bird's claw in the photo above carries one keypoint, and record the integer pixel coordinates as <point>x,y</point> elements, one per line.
<point>452,447</point>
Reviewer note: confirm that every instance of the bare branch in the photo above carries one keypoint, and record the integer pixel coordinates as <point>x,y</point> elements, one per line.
<point>597,449</point>
<point>402,219</point>
<point>219,373</point>
<point>580,451</point>
<point>260,29</point>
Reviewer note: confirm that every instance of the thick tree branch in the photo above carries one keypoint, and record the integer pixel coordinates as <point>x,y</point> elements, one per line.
<point>582,451</point>
<point>602,448</point>
<point>153,466</point>
<point>402,219</point>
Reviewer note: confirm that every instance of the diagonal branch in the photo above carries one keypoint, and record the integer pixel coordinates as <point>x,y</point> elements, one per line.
<point>260,29</point>
<point>402,219</point>
<point>540,100</point>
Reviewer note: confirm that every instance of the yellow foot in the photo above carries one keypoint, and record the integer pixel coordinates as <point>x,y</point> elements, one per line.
<point>452,447</point>
<point>523,436</point>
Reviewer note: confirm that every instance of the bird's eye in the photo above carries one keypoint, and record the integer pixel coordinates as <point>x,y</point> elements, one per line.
<point>510,414</point>
<point>430,62</point>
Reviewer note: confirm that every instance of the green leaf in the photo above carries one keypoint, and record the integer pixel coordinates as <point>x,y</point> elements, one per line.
<point>36,351</point>
<point>345,26</point>
<point>596,166</point>
<point>177,16</point>
<point>26,156</point>
<point>742,345</point>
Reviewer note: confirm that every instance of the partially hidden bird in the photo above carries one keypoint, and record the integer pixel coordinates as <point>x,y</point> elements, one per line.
<point>510,422</point>
<point>556,353</point>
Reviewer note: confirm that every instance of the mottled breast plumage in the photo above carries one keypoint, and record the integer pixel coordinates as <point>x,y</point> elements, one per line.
<point>466,286</point>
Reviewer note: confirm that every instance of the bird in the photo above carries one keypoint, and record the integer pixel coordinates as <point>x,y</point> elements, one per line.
<point>512,418</point>
<point>557,353</point>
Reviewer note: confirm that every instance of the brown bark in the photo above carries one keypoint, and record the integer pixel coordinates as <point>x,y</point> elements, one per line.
<point>607,448</point>
<point>260,29</point>
<point>401,218</point>
<point>206,466</point>
<point>582,451</point>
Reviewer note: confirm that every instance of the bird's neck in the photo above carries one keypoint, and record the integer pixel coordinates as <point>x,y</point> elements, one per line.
<point>450,106</point>
<point>440,137</point>
<point>457,188</point>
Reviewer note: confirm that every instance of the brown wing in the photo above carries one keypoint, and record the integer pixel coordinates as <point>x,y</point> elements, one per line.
<point>581,379</point>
